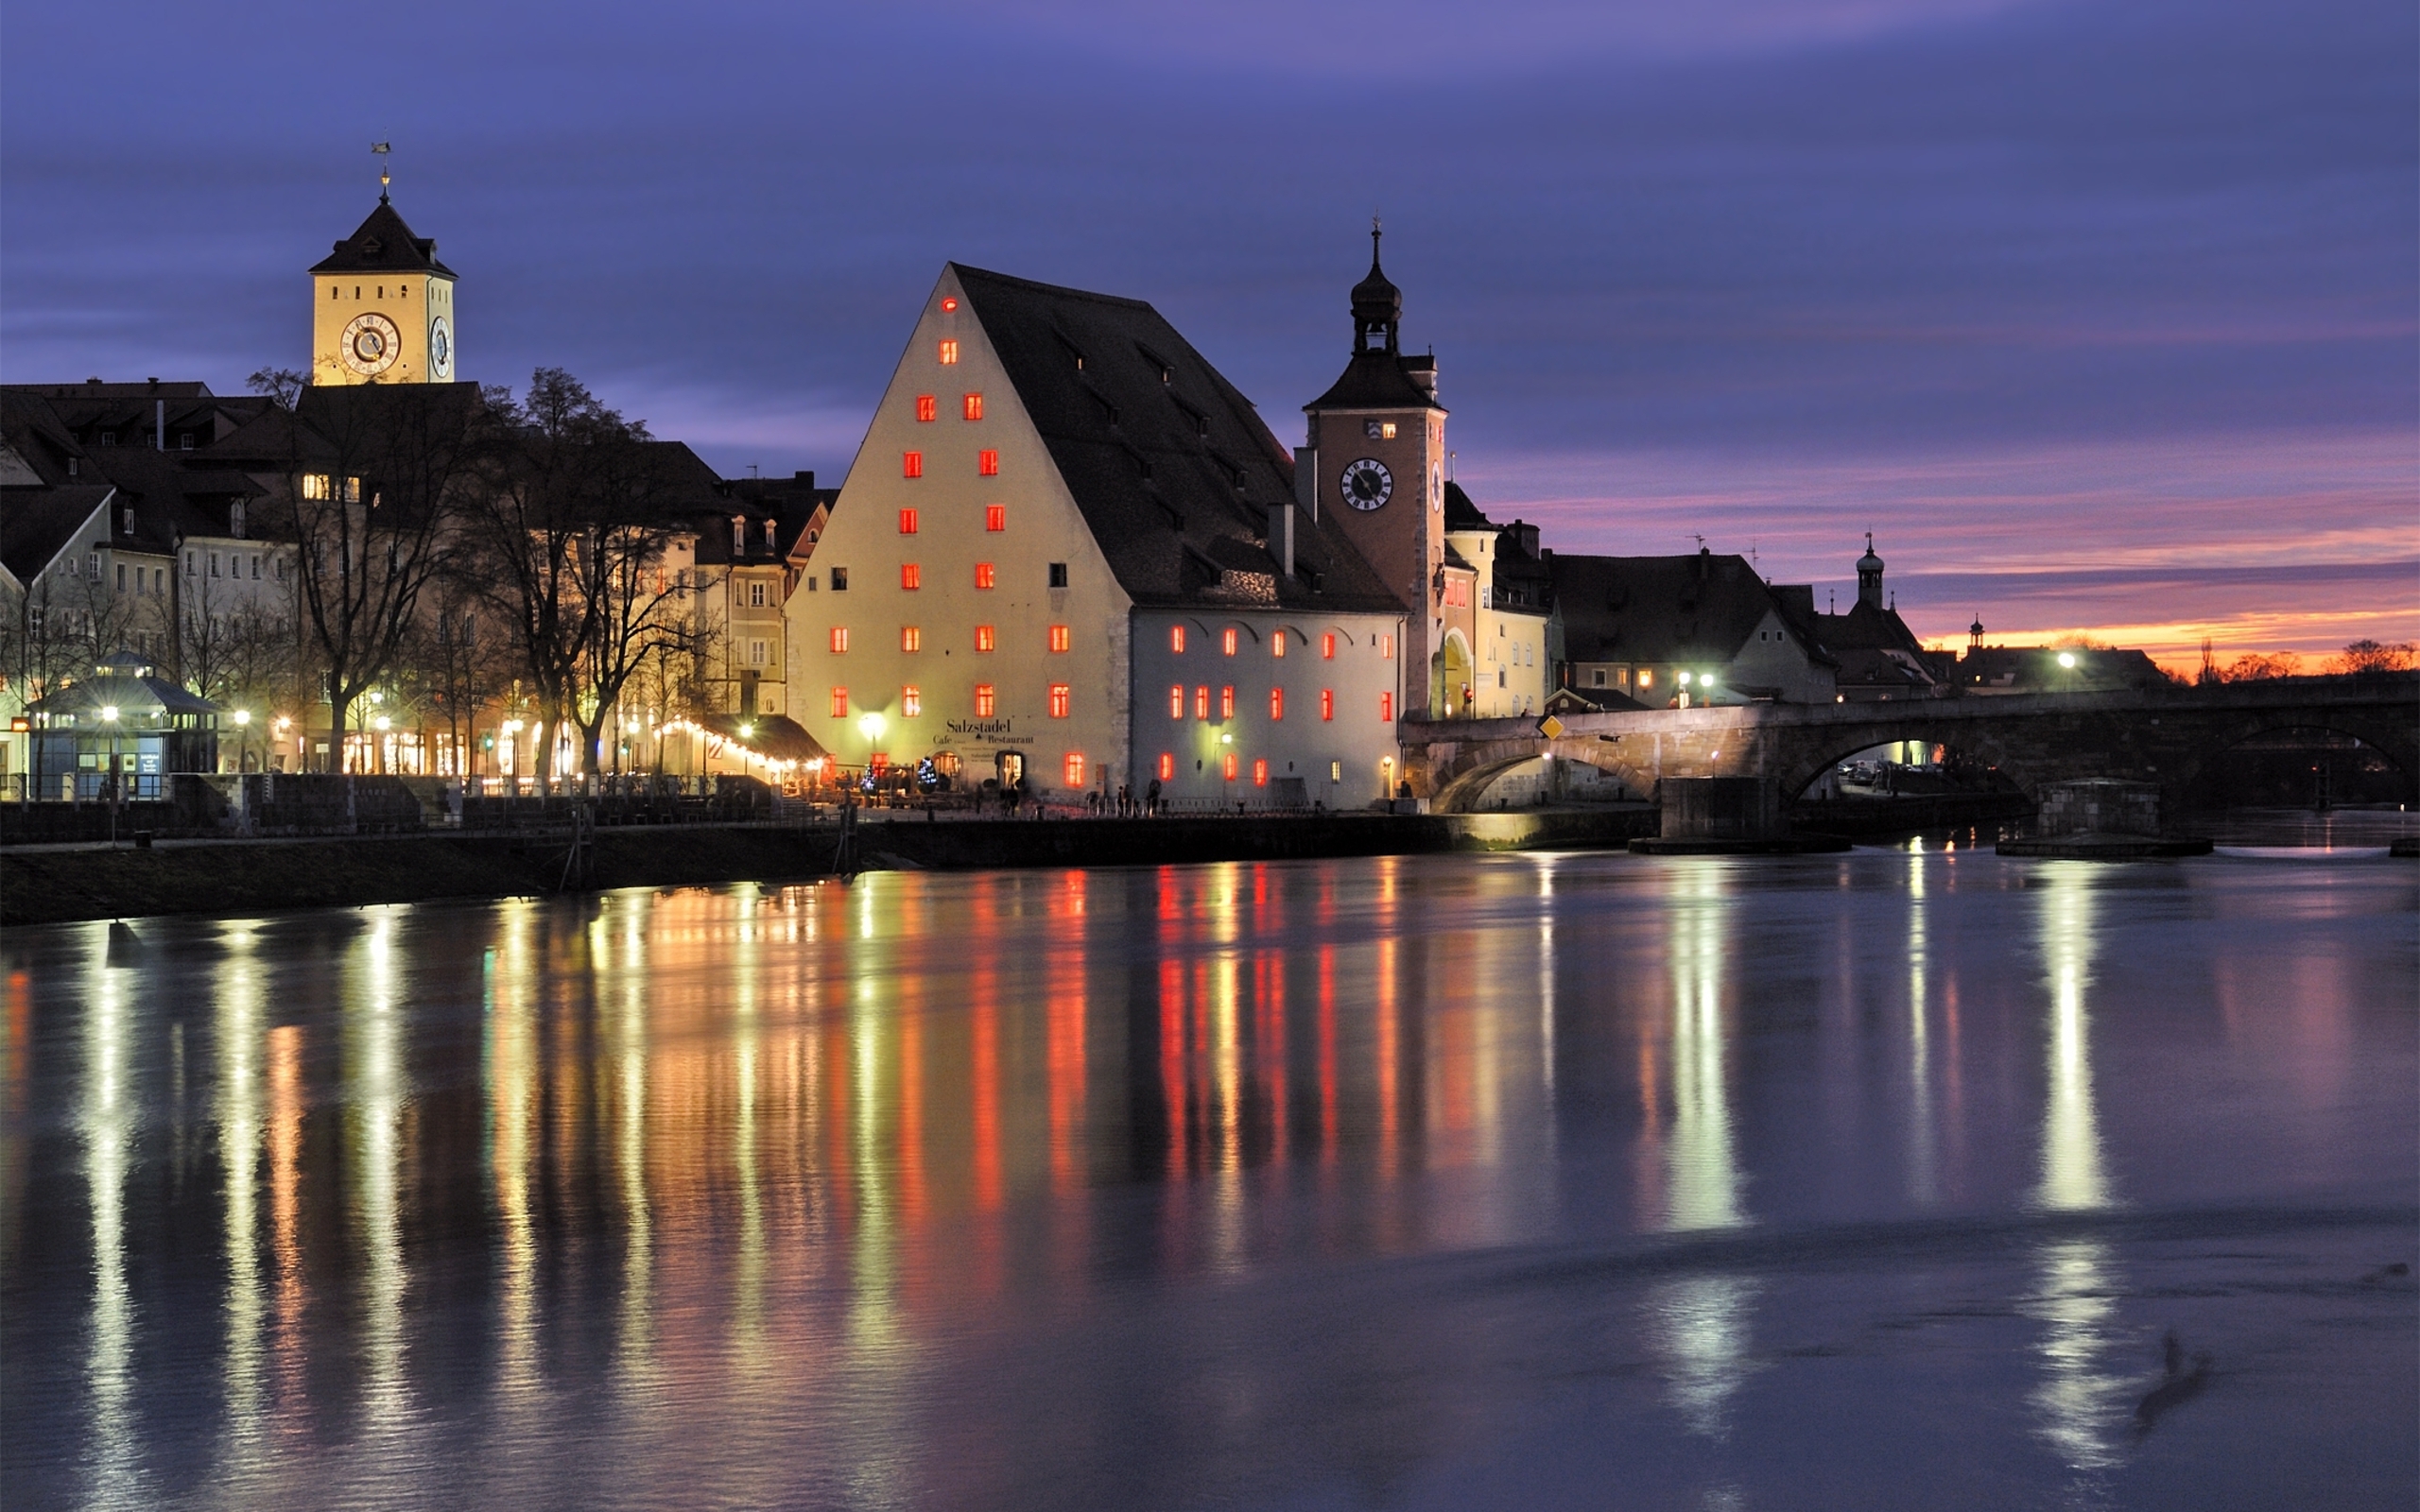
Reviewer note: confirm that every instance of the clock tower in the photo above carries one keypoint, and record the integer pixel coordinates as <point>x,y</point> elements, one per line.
<point>1374,456</point>
<point>383,308</point>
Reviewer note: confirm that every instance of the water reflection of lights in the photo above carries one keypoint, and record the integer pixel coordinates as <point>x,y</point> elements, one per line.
<point>1923,1179</point>
<point>1702,1170</point>
<point>2081,1397</point>
<point>238,1035</point>
<point>108,1125</point>
<point>1701,1323</point>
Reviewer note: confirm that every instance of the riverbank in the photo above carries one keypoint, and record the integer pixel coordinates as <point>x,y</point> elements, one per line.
<point>57,886</point>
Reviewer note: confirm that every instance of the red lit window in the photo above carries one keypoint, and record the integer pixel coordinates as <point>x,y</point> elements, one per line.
<point>995,517</point>
<point>1061,696</point>
<point>1228,639</point>
<point>840,639</point>
<point>1327,704</point>
<point>1277,703</point>
<point>910,575</point>
<point>948,352</point>
<point>1387,648</point>
<point>911,464</point>
<point>911,702</point>
<point>1167,765</point>
<point>1260,774</point>
<point>974,406</point>
<point>926,408</point>
<point>910,638</point>
<point>1458,592</point>
<point>984,701</point>
<point>1176,639</point>
<point>1386,708</point>
<point>984,577</point>
<point>1327,647</point>
<point>988,464</point>
<point>1227,766</point>
<point>1227,701</point>
<point>1176,702</point>
<point>984,638</point>
<point>907,522</point>
<point>1278,644</point>
<point>1201,702</point>
<point>1075,768</point>
<point>839,703</point>
<point>1060,639</point>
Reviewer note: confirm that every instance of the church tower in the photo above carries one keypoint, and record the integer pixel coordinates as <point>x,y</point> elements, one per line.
<point>1375,454</point>
<point>383,307</point>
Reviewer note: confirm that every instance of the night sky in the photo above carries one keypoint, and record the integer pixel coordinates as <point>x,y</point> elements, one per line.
<point>2102,317</point>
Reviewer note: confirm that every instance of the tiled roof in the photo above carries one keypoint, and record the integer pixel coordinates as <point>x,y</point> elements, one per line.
<point>1172,466</point>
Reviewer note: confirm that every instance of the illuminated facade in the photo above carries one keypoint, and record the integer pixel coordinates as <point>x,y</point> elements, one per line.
<point>1066,555</point>
<point>382,308</point>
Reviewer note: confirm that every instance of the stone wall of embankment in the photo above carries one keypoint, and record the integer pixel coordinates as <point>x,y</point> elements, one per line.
<point>51,886</point>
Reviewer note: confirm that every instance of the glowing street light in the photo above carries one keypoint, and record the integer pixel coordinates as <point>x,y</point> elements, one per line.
<point>2067,659</point>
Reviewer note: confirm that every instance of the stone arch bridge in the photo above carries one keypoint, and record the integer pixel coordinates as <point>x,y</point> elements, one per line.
<point>2162,735</point>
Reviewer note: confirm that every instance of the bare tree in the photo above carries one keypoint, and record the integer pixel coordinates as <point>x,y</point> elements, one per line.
<point>373,488</point>
<point>572,522</point>
<point>2368,658</point>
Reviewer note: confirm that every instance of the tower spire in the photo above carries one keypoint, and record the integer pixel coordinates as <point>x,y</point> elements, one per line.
<point>380,149</point>
<point>1377,305</point>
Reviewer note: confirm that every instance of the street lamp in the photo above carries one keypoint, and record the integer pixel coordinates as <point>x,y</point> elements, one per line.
<point>2067,660</point>
<point>243,724</point>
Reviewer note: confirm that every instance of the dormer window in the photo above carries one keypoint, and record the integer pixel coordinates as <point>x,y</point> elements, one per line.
<point>184,440</point>
<point>739,534</point>
<point>130,519</point>
<point>768,535</point>
<point>235,519</point>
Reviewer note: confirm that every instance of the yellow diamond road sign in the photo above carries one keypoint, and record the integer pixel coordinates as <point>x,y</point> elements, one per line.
<point>1550,727</point>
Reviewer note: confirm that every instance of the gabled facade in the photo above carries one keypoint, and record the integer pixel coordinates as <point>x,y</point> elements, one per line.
<point>1069,554</point>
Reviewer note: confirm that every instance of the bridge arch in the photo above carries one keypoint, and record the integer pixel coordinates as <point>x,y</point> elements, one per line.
<point>1821,751</point>
<point>1465,791</point>
<point>2397,745</point>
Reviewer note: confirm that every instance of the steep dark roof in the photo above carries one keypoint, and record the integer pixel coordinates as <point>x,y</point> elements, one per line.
<point>36,524</point>
<point>383,243</point>
<point>1461,514</point>
<point>1661,608</point>
<point>1866,628</point>
<point>1172,465</point>
<point>1376,380</point>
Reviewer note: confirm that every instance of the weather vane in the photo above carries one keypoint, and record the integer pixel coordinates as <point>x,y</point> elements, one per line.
<point>380,149</point>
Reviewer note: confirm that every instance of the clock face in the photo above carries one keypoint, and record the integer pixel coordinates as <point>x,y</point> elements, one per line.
<point>1367,484</point>
<point>440,349</point>
<point>370,345</point>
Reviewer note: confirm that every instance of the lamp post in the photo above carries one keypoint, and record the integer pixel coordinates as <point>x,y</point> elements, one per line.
<point>109,717</point>
<point>243,731</point>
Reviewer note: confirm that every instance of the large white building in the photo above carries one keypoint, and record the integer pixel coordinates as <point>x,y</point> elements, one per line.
<point>1069,553</point>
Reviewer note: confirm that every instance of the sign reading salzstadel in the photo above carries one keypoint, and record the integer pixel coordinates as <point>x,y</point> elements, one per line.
<point>985,732</point>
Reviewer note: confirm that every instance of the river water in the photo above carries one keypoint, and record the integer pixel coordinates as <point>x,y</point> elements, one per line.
<point>1877,1180</point>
